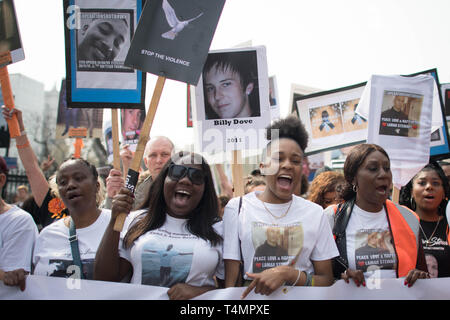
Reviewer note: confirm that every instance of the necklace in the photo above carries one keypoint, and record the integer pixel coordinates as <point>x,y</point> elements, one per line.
<point>276,217</point>
<point>428,241</point>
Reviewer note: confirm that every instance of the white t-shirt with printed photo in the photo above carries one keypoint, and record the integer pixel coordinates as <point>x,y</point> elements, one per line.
<point>369,243</point>
<point>52,253</point>
<point>267,241</point>
<point>18,232</point>
<point>171,254</point>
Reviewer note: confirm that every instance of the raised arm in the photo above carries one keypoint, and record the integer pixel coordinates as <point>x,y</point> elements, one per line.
<point>108,265</point>
<point>38,181</point>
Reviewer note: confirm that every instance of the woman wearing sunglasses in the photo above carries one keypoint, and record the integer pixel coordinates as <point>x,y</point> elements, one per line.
<point>174,240</point>
<point>281,239</point>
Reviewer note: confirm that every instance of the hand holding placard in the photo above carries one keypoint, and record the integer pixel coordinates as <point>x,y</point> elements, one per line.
<point>133,171</point>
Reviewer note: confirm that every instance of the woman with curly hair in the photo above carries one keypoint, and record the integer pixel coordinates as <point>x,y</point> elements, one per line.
<point>278,237</point>
<point>323,188</point>
<point>427,194</point>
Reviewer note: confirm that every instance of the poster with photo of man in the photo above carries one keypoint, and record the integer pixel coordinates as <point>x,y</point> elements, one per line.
<point>173,38</point>
<point>132,121</point>
<point>103,38</point>
<point>232,99</point>
<point>400,114</point>
<point>11,50</point>
<point>98,35</point>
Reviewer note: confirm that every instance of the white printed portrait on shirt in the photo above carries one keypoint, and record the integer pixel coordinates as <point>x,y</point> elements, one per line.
<point>166,263</point>
<point>400,114</point>
<point>275,245</point>
<point>373,247</point>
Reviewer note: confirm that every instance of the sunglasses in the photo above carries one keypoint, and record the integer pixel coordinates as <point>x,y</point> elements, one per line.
<point>177,172</point>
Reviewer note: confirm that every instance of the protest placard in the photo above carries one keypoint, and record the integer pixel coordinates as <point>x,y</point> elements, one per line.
<point>399,111</point>
<point>98,34</point>
<point>11,50</point>
<point>173,38</point>
<point>232,101</point>
<point>164,45</point>
<point>330,119</point>
<point>91,120</point>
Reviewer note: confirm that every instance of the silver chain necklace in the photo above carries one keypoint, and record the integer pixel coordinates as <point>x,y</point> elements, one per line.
<point>428,240</point>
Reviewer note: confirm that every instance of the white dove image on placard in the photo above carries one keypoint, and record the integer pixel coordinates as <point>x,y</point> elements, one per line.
<point>172,20</point>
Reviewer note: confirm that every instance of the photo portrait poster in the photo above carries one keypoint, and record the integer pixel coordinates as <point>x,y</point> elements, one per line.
<point>11,49</point>
<point>173,38</point>
<point>68,119</point>
<point>330,119</point>
<point>98,34</point>
<point>399,110</point>
<point>232,101</point>
<point>131,122</point>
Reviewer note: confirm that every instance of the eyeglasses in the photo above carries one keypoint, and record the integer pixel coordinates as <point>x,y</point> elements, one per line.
<point>177,172</point>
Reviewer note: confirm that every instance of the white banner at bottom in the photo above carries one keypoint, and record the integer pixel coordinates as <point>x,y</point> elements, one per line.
<point>50,288</point>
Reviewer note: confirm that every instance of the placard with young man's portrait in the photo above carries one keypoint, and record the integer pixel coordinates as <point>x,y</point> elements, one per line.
<point>232,99</point>
<point>98,35</point>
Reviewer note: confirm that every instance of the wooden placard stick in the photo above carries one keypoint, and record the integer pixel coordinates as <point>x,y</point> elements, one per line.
<point>133,171</point>
<point>395,195</point>
<point>78,134</point>
<point>78,146</point>
<point>237,174</point>
<point>8,99</point>
<point>115,139</point>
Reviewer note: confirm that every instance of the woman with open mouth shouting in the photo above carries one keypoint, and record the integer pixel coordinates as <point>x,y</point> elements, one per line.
<point>427,194</point>
<point>375,237</point>
<point>280,239</point>
<point>174,240</point>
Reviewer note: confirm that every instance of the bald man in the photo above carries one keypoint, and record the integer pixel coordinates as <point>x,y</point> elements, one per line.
<point>158,151</point>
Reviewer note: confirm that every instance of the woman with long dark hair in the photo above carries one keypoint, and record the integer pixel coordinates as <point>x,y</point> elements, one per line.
<point>175,239</point>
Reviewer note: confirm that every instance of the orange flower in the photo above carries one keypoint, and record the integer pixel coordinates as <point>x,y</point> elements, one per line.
<point>56,206</point>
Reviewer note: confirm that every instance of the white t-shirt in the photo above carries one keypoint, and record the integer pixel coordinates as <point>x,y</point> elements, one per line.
<point>52,253</point>
<point>171,254</point>
<point>268,242</point>
<point>369,243</point>
<point>18,232</point>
